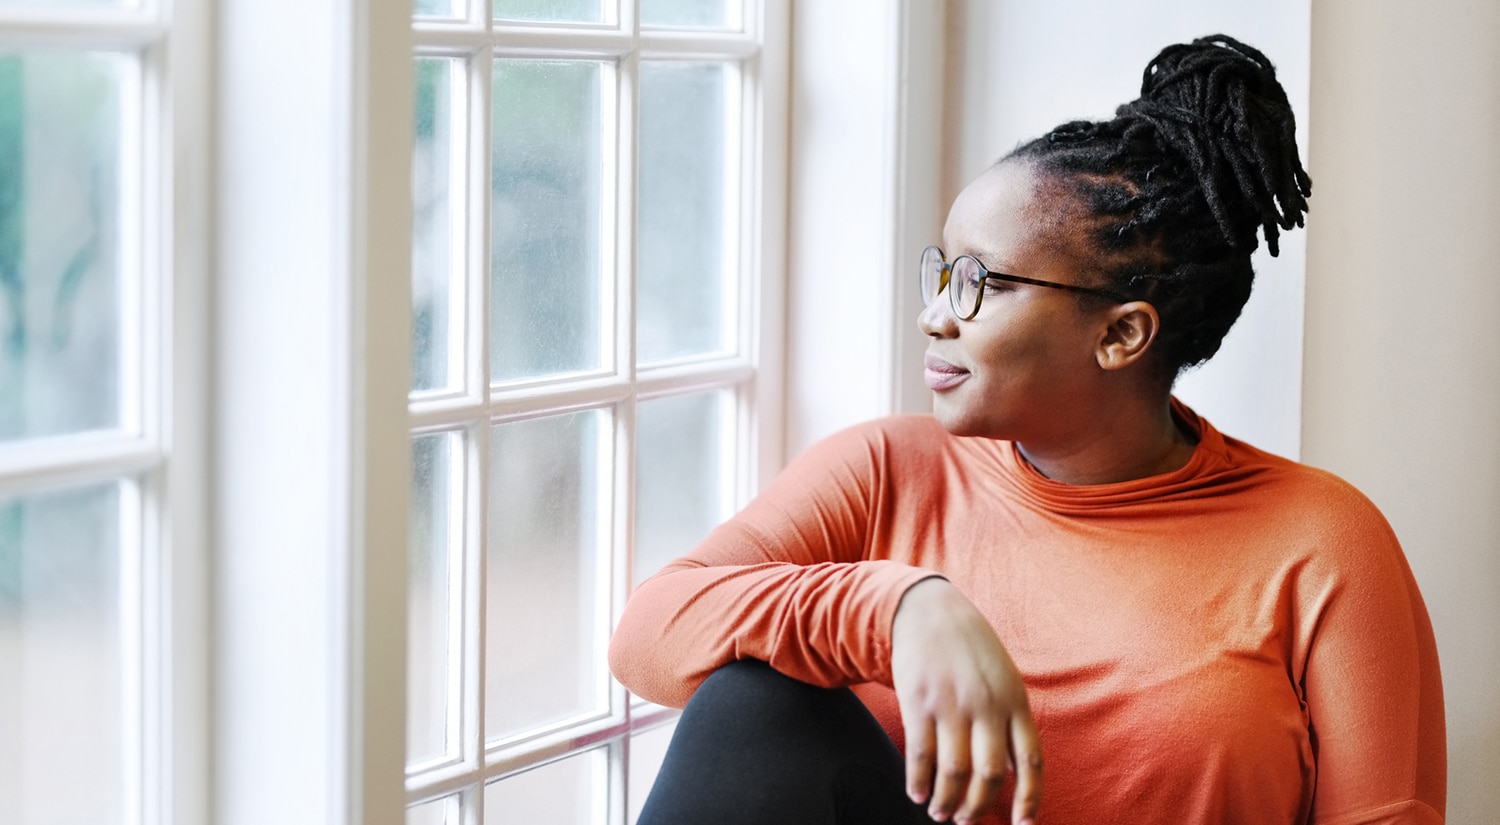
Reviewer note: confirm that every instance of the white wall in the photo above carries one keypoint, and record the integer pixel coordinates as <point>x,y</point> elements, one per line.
<point>1025,67</point>
<point>1403,323</point>
<point>864,196</point>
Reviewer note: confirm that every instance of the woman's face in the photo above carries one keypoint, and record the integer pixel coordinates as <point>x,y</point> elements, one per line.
<point>1025,367</point>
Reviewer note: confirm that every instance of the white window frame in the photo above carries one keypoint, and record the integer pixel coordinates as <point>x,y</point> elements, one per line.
<point>752,371</point>
<point>310,423</point>
<point>158,449</point>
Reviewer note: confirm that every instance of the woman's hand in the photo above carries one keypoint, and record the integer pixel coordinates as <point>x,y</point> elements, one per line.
<point>963,707</point>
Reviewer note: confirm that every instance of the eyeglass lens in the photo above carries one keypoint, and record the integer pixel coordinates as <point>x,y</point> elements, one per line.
<point>962,278</point>
<point>934,272</point>
<point>963,282</point>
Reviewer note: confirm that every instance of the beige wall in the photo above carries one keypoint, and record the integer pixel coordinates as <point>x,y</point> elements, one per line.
<point>1402,357</point>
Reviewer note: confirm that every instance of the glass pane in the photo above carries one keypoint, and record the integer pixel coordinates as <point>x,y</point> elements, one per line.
<point>439,8</point>
<point>437,812</point>
<point>546,314</point>
<point>686,259</point>
<point>572,791</point>
<point>545,588</point>
<point>432,598</point>
<point>61,680</point>
<point>680,476</point>
<point>437,256</point>
<point>704,14</point>
<point>551,11</point>
<point>60,135</point>
<point>647,750</point>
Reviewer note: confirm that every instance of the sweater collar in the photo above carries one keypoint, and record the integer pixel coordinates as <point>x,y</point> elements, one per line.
<point>1210,457</point>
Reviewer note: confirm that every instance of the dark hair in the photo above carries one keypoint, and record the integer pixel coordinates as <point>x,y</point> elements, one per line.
<point>1178,183</point>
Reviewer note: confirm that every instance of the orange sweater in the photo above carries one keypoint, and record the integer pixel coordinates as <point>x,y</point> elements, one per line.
<point>1240,641</point>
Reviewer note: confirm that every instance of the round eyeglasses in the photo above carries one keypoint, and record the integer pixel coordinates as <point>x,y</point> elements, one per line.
<point>965,276</point>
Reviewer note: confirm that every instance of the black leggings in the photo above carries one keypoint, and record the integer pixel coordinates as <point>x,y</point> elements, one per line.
<point>754,746</point>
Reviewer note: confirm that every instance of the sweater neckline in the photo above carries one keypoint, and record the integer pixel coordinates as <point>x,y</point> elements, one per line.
<point>1210,455</point>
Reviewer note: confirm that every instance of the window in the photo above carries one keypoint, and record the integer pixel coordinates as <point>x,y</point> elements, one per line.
<point>593,286</point>
<point>99,529</point>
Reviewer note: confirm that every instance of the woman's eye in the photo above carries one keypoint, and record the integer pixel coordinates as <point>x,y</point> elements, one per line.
<point>993,285</point>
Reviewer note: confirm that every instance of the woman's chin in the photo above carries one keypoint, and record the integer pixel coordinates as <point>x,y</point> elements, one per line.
<point>954,417</point>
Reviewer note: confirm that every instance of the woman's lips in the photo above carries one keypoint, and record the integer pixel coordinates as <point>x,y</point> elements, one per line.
<point>942,375</point>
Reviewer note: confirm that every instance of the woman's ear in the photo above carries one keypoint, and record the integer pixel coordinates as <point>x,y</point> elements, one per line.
<point>1131,328</point>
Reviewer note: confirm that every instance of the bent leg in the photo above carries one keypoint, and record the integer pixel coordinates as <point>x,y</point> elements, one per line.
<point>754,746</point>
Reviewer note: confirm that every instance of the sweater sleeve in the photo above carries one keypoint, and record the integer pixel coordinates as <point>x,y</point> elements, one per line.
<point>789,580</point>
<point>1374,692</point>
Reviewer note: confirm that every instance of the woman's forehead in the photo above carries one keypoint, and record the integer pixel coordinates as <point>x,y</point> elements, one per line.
<point>1009,214</point>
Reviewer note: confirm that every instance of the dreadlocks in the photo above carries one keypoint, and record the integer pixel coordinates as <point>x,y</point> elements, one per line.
<point>1179,182</point>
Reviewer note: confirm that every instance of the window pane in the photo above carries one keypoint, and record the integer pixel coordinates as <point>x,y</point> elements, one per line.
<point>436,256</point>
<point>714,14</point>
<point>439,8</point>
<point>558,11</point>
<point>680,481</point>
<point>432,601</point>
<point>61,679</point>
<point>686,261</point>
<point>59,249</point>
<point>572,791</point>
<point>437,812</point>
<point>647,750</point>
<point>545,596</point>
<point>546,313</point>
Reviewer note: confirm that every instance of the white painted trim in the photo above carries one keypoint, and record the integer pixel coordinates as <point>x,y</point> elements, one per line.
<point>81,27</point>
<point>312,370</point>
<point>375,352</point>
<point>763,453</point>
<point>918,209</point>
<point>61,461</point>
<point>180,501</point>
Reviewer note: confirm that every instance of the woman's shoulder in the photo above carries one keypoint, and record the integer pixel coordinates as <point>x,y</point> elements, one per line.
<point>1316,500</point>
<point>902,433</point>
<point>891,444</point>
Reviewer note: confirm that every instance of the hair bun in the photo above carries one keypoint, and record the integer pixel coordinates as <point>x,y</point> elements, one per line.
<point>1216,103</point>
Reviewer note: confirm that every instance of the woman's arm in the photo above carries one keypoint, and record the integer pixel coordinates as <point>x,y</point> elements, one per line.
<point>789,580</point>
<point>794,580</point>
<point>1375,695</point>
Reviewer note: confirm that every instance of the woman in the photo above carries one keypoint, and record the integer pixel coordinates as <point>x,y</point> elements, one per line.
<point>1063,560</point>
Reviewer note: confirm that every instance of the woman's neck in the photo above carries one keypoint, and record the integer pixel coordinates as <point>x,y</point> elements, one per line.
<point>1130,444</point>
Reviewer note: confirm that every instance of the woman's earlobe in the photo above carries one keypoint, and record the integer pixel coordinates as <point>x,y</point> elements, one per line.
<point>1132,329</point>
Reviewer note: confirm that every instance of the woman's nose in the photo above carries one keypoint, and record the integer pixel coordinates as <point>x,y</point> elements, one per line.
<point>936,319</point>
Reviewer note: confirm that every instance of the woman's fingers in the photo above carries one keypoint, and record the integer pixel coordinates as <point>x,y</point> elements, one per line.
<point>988,746</point>
<point>954,767</point>
<point>1026,753</point>
<point>921,755</point>
<point>964,707</point>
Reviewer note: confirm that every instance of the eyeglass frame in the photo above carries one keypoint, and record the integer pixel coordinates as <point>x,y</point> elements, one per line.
<point>986,274</point>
